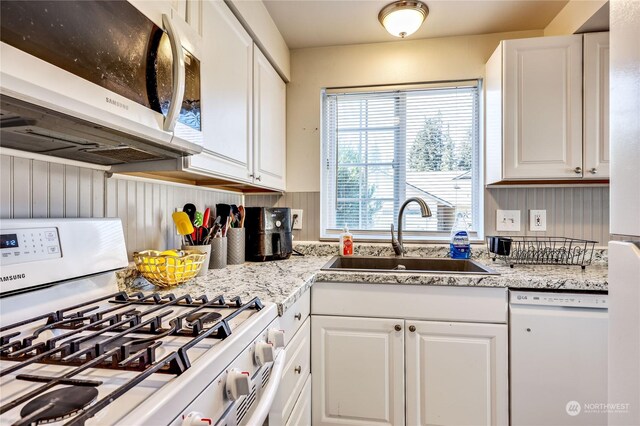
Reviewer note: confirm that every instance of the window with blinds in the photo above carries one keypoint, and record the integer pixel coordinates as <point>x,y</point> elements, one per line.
<point>381,147</point>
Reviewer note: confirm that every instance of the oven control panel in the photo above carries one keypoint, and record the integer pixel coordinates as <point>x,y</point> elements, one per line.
<point>29,244</point>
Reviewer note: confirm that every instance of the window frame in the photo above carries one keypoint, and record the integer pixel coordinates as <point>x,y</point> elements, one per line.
<point>326,157</point>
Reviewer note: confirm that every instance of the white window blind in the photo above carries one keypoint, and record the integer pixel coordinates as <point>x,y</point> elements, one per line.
<point>381,147</point>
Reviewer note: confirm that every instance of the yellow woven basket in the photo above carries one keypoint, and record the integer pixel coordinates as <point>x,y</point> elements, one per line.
<point>167,270</point>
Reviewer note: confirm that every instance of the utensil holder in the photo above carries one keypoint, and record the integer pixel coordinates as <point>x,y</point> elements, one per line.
<point>206,249</point>
<point>218,253</point>
<point>235,246</point>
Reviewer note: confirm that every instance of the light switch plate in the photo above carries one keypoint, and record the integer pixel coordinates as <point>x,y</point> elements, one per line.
<point>508,220</point>
<point>537,220</point>
<point>296,217</point>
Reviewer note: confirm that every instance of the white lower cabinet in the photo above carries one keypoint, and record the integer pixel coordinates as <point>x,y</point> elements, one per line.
<point>357,370</point>
<point>429,363</point>
<point>301,414</point>
<point>456,373</point>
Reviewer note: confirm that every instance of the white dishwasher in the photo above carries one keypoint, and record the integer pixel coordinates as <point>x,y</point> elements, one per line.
<point>558,358</point>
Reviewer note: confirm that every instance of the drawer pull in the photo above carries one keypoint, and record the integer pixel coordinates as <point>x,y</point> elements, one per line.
<point>298,316</point>
<point>298,369</point>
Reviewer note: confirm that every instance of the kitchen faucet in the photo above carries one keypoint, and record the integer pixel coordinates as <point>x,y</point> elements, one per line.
<point>397,245</point>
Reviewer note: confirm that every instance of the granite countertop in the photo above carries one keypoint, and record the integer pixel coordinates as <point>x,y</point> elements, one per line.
<point>283,282</point>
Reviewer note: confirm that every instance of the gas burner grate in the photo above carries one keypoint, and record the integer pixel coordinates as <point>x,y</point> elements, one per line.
<point>124,336</point>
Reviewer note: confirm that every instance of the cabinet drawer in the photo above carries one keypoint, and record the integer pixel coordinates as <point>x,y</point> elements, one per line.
<point>294,376</point>
<point>294,317</point>
<point>301,414</point>
<point>420,302</point>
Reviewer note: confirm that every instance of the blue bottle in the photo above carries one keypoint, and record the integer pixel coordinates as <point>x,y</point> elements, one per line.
<point>459,248</point>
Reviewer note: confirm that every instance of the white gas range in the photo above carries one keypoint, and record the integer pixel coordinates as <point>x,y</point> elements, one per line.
<point>75,350</point>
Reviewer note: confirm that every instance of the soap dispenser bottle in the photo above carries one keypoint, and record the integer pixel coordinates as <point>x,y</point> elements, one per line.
<point>459,248</point>
<point>346,242</point>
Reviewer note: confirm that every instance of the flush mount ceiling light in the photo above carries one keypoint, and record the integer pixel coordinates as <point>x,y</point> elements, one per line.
<point>403,18</point>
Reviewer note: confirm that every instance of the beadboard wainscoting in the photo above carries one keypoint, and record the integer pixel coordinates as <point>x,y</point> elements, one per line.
<point>145,207</point>
<point>34,188</point>
<point>309,202</point>
<point>578,212</point>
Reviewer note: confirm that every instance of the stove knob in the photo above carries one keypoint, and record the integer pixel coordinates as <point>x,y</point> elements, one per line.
<point>276,337</point>
<point>264,353</point>
<point>195,418</point>
<point>238,384</point>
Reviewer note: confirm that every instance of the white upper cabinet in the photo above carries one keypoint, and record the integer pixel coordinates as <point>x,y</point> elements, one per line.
<point>596,105</point>
<point>243,106</point>
<point>534,109</point>
<point>227,92</point>
<point>269,128</point>
<point>547,109</point>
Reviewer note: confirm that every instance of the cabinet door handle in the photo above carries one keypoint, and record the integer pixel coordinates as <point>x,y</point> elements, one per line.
<point>577,170</point>
<point>398,327</point>
<point>251,175</point>
<point>298,369</point>
<point>593,171</point>
<point>412,328</point>
<point>259,178</point>
<point>298,316</point>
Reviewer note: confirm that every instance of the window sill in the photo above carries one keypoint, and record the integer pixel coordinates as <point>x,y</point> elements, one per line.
<point>406,239</point>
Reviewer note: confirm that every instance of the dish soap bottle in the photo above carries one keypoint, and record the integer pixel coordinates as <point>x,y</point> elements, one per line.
<point>346,242</point>
<point>459,248</point>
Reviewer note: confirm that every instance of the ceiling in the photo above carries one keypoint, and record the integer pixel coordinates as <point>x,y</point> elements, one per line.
<point>313,23</point>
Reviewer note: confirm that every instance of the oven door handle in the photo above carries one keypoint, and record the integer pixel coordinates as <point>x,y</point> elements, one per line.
<point>269,392</point>
<point>179,74</point>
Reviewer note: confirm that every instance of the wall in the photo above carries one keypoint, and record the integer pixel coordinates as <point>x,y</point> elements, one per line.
<point>581,212</point>
<point>573,16</point>
<point>407,61</point>
<point>309,202</point>
<point>571,212</point>
<point>575,212</point>
<point>39,188</point>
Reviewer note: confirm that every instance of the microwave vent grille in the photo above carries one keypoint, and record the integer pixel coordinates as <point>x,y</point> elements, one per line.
<point>125,154</point>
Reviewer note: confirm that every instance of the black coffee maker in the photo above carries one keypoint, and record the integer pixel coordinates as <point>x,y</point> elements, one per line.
<point>268,233</point>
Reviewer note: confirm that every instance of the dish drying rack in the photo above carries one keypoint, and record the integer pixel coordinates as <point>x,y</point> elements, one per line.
<point>529,250</point>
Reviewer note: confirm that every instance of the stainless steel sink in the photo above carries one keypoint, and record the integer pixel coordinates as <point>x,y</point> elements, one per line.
<point>407,264</point>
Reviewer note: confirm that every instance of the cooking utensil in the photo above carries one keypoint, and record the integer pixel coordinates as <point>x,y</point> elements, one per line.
<point>198,219</point>
<point>223,210</point>
<point>206,218</point>
<point>184,225</point>
<point>235,216</point>
<point>242,215</point>
<point>190,210</point>
<point>227,226</point>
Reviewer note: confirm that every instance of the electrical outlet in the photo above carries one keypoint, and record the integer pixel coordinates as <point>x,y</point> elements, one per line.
<point>508,220</point>
<point>537,220</point>
<point>296,217</point>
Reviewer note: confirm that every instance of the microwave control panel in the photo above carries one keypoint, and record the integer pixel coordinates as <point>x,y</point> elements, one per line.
<point>28,245</point>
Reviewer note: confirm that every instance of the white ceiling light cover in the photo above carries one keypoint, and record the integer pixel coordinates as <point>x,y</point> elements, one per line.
<point>403,18</point>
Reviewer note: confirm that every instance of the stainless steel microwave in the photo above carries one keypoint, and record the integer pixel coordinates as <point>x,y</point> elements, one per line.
<point>101,81</point>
